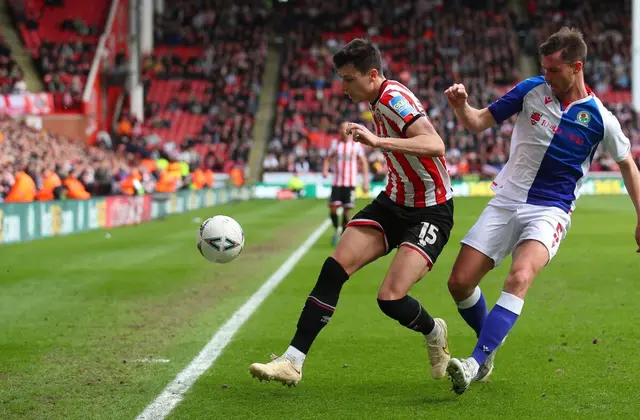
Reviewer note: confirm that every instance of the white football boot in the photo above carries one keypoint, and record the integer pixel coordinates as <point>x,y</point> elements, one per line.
<point>461,372</point>
<point>439,352</point>
<point>279,369</point>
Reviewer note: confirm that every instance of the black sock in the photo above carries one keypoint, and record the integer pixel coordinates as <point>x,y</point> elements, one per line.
<point>345,220</point>
<point>320,304</point>
<point>409,313</point>
<point>334,220</point>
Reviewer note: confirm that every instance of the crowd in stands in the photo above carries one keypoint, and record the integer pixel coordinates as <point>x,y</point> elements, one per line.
<point>607,26</point>
<point>426,45</point>
<point>204,78</point>
<point>36,165</point>
<point>11,80</point>
<point>62,44</point>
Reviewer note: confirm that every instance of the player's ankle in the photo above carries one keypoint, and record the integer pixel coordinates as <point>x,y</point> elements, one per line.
<point>295,355</point>
<point>433,336</point>
<point>474,364</point>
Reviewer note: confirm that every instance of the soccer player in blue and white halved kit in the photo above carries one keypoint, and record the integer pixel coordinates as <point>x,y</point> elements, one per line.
<point>559,126</point>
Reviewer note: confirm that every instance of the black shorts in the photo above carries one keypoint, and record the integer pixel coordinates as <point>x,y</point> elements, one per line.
<point>426,230</point>
<point>343,196</point>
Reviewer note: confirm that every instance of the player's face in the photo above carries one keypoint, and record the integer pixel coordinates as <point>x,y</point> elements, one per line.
<point>559,74</point>
<point>357,86</point>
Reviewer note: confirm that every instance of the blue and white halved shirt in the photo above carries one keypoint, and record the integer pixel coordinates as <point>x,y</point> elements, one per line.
<point>552,146</point>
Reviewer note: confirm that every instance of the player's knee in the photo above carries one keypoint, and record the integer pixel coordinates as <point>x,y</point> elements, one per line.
<point>459,286</point>
<point>392,291</point>
<point>390,294</point>
<point>519,280</point>
<point>344,259</point>
<point>349,260</point>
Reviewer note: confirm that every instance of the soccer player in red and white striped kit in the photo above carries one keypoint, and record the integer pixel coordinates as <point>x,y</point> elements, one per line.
<point>413,214</point>
<point>344,155</point>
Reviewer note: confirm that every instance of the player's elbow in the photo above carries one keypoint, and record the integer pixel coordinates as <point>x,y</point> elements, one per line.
<point>436,149</point>
<point>439,152</point>
<point>480,120</point>
<point>478,126</point>
<point>627,165</point>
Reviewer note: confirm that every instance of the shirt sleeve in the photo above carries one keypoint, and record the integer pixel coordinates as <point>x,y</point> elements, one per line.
<point>615,142</point>
<point>511,103</point>
<point>400,110</point>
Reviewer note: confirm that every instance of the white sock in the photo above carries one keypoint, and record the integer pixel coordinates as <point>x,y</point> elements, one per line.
<point>432,337</point>
<point>471,300</point>
<point>295,355</point>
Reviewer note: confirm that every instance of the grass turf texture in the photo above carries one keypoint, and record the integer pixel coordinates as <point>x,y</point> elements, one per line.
<point>78,313</point>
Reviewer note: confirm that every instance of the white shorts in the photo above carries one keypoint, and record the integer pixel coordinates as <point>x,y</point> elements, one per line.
<point>505,223</point>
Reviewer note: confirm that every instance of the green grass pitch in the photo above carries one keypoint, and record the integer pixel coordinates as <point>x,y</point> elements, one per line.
<point>82,316</point>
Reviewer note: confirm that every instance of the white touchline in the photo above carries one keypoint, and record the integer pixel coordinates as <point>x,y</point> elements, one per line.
<point>174,392</point>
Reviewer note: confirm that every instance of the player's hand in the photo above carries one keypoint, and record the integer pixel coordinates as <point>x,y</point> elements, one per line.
<point>361,134</point>
<point>638,237</point>
<point>456,95</point>
<point>365,187</point>
<point>325,174</point>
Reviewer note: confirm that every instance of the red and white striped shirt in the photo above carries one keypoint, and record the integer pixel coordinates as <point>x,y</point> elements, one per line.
<point>346,155</point>
<point>413,181</point>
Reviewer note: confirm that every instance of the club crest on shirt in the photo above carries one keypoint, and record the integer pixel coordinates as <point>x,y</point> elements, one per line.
<point>583,118</point>
<point>535,118</point>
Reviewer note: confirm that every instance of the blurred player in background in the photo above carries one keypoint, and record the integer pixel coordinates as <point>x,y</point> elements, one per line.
<point>413,214</point>
<point>344,154</point>
<point>559,126</point>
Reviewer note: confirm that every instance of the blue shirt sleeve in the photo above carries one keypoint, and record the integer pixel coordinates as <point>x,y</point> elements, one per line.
<point>511,102</point>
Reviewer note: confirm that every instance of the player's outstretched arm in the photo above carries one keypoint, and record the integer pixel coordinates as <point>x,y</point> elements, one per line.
<point>422,140</point>
<point>475,120</point>
<point>631,177</point>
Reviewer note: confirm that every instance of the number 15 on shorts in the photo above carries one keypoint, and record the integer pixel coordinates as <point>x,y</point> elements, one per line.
<point>428,234</point>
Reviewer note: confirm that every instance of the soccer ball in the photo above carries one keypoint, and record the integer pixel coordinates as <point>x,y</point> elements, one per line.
<point>220,239</point>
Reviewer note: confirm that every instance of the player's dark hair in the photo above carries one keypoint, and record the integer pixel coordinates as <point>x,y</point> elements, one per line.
<point>568,40</point>
<point>361,53</point>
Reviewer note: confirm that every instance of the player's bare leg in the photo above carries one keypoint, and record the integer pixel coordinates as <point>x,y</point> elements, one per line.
<point>408,267</point>
<point>528,259</point>
<point>357,247</point>
<point>469,269</point>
